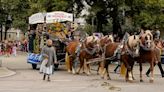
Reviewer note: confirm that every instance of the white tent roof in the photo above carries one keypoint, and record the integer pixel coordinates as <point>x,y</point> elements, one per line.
<point>58,16</point>
<point>51,17</point>
<point>36,18</point>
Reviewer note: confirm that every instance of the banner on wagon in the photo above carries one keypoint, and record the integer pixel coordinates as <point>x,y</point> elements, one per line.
<point>58,16</point>
<point>34,58</point>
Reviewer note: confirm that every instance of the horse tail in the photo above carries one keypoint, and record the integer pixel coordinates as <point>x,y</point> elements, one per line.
<point>123,69</point>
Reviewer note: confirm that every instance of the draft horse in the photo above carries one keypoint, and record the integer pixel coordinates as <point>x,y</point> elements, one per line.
<point>88,50</point>
<point>147,53</point>
<point>124,51</point>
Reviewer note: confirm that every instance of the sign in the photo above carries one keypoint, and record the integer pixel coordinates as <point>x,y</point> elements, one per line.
<point>58,16</point>
<point>51,17</point>
<point>36,18</point>
<point>34,58</point>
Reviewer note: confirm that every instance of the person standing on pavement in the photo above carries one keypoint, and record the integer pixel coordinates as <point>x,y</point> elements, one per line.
<point>49,53</point>
<point>14,49</point>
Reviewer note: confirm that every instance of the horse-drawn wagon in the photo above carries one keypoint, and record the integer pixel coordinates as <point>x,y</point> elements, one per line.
<point>45,26</point>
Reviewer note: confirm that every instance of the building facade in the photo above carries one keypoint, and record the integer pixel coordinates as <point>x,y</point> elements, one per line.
<point>13,34</point>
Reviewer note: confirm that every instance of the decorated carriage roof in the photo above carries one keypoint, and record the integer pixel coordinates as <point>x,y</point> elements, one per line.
<point>51,17</point>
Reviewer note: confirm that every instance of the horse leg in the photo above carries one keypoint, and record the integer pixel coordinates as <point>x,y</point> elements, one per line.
<point>107,72</point>
<point>130,75</point>
<point>152,73</point>
<point>68,62</point>
<point>132,71</point>
<point>88,69</point>
<point>86,66</point>
<point>100,68</point>
<point>81,65</point>
<point>140,64</point>
<point>73,66</point>
<point>126,76</point>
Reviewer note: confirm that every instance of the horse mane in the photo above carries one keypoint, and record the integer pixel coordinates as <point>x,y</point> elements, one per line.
<point>148,32</point>
<point>133,40</point>
<point>91,39</point>
<point>111,38</point>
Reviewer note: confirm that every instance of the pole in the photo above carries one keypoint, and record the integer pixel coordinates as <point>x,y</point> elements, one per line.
<point>73,10</point>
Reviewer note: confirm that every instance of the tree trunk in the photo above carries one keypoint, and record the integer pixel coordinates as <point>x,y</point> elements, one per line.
<point>99,22</point>
<point>6,29</point>
<point>116,23</point>
<point>99,26</point>
<point>1,32</point>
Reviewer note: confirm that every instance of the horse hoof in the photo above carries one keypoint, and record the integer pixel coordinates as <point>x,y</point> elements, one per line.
<point>130,81</point>
<point>77,73</point>
<point>69,71</point>
<point>102,77</point>
<point>133,78</point>
<point>141,81</point>
<point>151,81</point>
<point>108,78</point>
<point>74,73</point>
<point>88,74</point>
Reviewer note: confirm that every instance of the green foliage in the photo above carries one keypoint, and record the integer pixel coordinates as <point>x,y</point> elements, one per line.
<point>147,14</point>
<point>89,29</point>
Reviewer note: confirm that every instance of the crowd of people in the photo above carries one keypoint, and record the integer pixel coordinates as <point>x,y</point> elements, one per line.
<point>9,48</point>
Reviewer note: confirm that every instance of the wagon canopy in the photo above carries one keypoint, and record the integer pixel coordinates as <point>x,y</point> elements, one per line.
<point>58,16</point>
<point>51,17</point>
<point>36,18</point>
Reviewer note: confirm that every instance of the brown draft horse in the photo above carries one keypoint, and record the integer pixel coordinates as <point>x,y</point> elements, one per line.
<point>158,50</point>
<point>127,51</point>
<point>147,53</point>
<point>70,50</point>
<point>88,50</point>
<point>104,42</point>
<point>130,54</point>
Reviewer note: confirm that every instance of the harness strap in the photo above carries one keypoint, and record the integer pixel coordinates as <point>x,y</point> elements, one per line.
<point>91,52</point>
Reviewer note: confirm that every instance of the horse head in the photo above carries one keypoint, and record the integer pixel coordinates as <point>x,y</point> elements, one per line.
<point>92,43</point>
<point>147,40</point>
<point>134,45</point>
<point>106,39</point>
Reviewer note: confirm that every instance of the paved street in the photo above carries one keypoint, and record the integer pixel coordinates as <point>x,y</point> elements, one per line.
<point>26,80</point>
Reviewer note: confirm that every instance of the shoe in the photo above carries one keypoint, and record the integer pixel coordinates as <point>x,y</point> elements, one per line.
<point>162,75</point>
<point>115,71</point>
<point>48,79</point>
<point>44,77</point>
<point>147,74</point>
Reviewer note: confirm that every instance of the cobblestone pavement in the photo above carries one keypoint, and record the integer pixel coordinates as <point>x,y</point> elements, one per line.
<point>26,80</point>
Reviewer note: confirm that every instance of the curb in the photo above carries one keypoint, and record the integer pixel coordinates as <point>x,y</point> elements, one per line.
<point>10,73</point>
